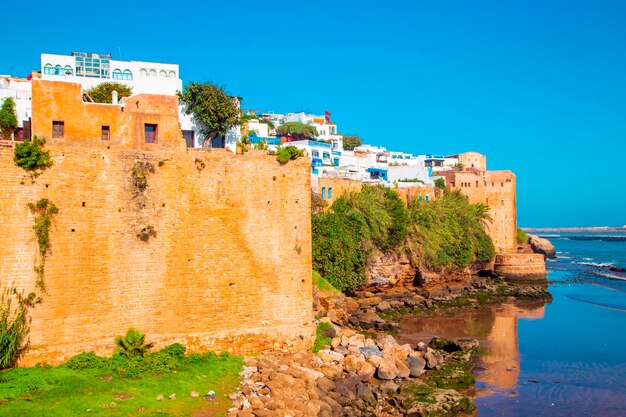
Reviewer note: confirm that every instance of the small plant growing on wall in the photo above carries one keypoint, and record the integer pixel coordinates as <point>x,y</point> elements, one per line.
<point>31,156</point>
<point>14,325</point>
<point>139,175</point>
<point>146,233</point>
<point>284,155</point>
<point>44,211</point>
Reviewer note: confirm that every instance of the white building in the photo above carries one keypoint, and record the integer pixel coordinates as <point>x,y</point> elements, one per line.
<point>89,70</point>
<point>20,90</point>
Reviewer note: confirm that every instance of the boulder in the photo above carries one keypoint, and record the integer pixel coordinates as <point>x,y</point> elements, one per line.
<point>383,306</point>
<point>371,350</point>
<point>365,371</point>
<point>387,369</point>
<point>541,245</point>
<point>417,366</point>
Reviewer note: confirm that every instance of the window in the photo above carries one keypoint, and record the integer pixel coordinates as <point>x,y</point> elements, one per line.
<point>427,198</point>
<point>476,183</point>
<point>48,69</point>
<point>92,65</point>
<point>171,74</point>
<point>127,75</point>
<point>316,154</point>
<point>58,70</point>
<point>106,133</point>
<point>68,70</point>
<point>117,74</point>
<point>58,129</point>
<point>163,74</point>
<point>150,132</point>
<point>152,73</point>
<point>336,162</point>
<point>143,72</point>
<point>324,192</point>
<point>330,193</point>
<point>326,155</point>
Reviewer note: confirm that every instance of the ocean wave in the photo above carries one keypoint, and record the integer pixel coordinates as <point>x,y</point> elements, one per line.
<point>604,238</point>
<point>608,275</point>
<point>595,264</point>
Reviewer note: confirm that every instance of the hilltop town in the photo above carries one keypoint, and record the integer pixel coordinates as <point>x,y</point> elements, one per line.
<point>198,240</point>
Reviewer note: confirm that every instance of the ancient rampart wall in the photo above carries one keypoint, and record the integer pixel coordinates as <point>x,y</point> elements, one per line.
<point>521,266</point>
<point>228,269</point>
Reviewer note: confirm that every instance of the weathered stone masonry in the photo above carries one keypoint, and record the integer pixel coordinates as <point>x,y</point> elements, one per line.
<point>229,269</point>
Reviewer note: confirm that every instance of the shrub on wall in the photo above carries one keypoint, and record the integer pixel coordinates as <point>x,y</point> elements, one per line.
<point>44,211</point>
<point>31,156</point>
<point>14,326</point>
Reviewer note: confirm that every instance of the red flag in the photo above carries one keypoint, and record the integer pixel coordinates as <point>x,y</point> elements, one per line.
<point>327,116</point>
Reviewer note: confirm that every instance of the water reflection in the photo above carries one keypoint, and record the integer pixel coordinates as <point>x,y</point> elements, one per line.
<point>495,327</point>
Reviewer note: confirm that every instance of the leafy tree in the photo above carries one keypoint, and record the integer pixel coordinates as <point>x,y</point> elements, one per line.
<point>299,130</point>
<point>101,93</point>
<point>133,344</point>
<point>211,108</point>
<point>440,184</point>
<point>269,123</point>
<point>351,141</point>
<point>8,119</point>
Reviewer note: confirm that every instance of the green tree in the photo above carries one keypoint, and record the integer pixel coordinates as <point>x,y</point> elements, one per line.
<point>440,183</point>
<point>211,108</point>
<point>133,344</point>
<point>298,130</point>
<point>8,119</point>
<point>31,156</point>
<point>351,141</point>
<point>101,93</point>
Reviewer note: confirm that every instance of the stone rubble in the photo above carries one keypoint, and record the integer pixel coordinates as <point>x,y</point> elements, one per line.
<point>355,376</point>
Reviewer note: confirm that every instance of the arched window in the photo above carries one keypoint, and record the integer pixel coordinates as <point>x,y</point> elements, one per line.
<point>68,70</point>
<point>58,70</point>
<point>117,74</point>
<point>127,75</point>
<point>163,74</point>
<point>427,198</point>
<point>324,192</point>
<point>171,74</point>
<point>143,72</point>
<point>330,193</point>
<point>47,69</point>
<point>152,73</point>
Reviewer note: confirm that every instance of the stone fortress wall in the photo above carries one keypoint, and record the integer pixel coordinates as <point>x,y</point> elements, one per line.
<point>228,269</point>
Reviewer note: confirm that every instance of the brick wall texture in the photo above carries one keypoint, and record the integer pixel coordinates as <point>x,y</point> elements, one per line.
<point>229,269</point>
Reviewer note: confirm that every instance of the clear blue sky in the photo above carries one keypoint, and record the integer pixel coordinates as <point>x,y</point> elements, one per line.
<point>537,85</point>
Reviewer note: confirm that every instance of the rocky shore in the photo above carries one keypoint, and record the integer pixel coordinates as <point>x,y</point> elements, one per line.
<point>363,371</point>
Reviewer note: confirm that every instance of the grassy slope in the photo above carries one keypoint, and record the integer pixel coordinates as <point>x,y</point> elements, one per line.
<point>46,391</point>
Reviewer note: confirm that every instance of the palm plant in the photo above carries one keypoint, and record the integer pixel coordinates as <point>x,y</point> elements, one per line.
<point>133,344</point>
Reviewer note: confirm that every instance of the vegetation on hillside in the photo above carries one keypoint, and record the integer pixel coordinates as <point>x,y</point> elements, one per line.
<point>101,93</point>
<point>444,233</point>
<point>298,130</point>
<point>522,237</point>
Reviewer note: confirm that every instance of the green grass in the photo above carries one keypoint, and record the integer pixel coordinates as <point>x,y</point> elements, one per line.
<point>322,283</point>
<point>60,391</point>
<point>322,338</point>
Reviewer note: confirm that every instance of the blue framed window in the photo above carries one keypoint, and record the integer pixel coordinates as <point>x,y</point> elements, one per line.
<point>48,69</point>
<point>330,193</point>
<point>336,162</point>
<point>324,192</point>
<point>427,198</point>
<point>316,154</point>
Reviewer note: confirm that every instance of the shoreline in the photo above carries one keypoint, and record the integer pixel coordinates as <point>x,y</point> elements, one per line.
<point>365,370</point>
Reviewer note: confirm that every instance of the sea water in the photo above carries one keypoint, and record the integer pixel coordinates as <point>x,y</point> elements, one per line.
<point>564,358</point>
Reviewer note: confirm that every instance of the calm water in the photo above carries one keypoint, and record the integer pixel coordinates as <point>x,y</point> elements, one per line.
<point>566,358</point>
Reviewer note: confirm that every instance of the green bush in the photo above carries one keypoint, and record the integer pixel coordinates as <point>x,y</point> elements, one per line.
<point>85,360</point>
<point>14,327</point>
<point>132,345</point>
<point>446,232</point>
<point>176,350</point>
<point>287,153</point>
<point>31,155</point>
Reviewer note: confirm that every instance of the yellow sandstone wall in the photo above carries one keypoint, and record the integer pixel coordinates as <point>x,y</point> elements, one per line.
<point>229,269</point>
<point>339,187</point>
